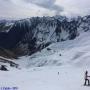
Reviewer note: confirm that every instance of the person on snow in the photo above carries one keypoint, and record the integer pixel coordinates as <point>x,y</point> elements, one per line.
<point>87,82</point>
<point>58,73</point>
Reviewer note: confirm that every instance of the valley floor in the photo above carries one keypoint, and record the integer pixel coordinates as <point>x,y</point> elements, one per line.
<point>45,78</point>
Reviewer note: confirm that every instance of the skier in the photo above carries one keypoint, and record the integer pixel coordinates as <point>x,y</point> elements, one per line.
<point>87,82</point>
<point>58,73</point>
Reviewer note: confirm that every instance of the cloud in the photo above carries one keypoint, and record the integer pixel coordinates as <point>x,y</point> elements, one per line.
<point>75,7</point>
<point>47,4</point>
<point>18,9</point>
<point>29,8</point>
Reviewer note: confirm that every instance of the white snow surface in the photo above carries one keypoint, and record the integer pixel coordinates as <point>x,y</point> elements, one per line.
<point>40,71</point>
<point>45,78</point>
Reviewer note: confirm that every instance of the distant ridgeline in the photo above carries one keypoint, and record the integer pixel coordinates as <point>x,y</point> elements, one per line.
<point>27,36</point>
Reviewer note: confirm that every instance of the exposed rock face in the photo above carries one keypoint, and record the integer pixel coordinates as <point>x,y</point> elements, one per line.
<point>7,53</point>
<point>3,68</point>
<point>28,36</point>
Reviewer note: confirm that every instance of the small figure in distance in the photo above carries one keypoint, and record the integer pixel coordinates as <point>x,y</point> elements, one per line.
<point>87,82</point>
<point>58,73</point>
<point>60,55</point>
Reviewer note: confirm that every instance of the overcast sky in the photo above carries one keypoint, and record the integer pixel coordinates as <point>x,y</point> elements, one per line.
<point>29,8</point>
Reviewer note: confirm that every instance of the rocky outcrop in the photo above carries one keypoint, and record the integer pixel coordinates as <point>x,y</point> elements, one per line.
<point>7,53</point>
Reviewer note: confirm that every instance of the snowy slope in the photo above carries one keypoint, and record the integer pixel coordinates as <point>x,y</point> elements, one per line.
<point>46,78</point>
<point>71,58</point>
<point>71,65</point>
<point>71,52</point>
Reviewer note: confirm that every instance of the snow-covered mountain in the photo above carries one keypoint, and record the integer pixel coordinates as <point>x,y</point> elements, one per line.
<point>66,42</point>
<point>5,25</point>
<point>61,53</point>
<point>71,52</point>
<point>28,36</point>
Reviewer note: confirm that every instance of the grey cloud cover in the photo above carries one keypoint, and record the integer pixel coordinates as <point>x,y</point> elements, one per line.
<point>48,4</point>
<point>29,8</point>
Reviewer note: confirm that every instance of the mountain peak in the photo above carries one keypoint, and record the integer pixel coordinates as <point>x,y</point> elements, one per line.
<point>30,35</point>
